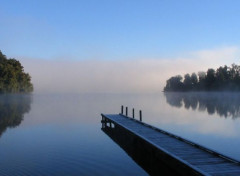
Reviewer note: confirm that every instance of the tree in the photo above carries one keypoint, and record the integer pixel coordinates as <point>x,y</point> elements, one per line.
<point>194,79</point>
<point>13,79</point>
<point>174,84</point>
<point>187,82</point>
<point>224,78</point>
<point>210,78</point>
<point>201,75</point>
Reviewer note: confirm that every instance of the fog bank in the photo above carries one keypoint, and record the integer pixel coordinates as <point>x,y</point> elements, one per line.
<point>145,75</point>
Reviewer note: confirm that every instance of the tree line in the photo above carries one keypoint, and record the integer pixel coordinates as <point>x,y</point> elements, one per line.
<point>223,78</point>
<point>13,79</point>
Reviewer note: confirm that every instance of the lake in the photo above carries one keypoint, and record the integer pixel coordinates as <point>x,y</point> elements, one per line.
<point>60,134</point>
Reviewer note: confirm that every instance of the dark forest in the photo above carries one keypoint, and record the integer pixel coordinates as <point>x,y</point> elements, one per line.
<point>223,78</point>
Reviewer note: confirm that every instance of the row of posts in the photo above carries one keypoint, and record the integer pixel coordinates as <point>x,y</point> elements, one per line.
<point>133,113</point>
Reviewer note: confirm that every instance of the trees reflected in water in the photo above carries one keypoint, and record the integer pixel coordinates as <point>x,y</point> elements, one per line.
<point>12,110</point>
<point>224,104</point>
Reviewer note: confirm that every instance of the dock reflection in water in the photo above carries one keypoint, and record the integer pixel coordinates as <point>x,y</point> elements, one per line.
<point>144,154</point>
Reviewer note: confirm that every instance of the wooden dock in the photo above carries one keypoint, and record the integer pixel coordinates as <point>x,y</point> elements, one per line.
<point>183,156</point>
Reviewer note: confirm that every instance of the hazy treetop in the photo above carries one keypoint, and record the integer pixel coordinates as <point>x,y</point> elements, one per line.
<point>222,79</point>
<point>13,79</point>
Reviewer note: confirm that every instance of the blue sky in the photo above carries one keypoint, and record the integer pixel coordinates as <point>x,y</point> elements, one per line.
<point>116,29</point>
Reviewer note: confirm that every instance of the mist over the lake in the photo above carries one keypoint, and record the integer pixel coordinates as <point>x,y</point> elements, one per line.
<point>137,75</point>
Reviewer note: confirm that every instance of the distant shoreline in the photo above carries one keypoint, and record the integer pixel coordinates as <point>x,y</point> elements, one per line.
<point>222,79</point>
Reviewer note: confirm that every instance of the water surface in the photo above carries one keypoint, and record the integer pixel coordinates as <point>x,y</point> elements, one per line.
<point>60,134</point>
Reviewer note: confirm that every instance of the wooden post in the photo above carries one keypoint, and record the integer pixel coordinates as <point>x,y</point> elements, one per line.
<point>133,112</point>
<point>122,109</point>
<point>140,115</point>
<point>126,111</point>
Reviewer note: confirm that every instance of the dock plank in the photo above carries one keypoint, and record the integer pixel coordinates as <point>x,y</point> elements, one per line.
<point>204,161</point>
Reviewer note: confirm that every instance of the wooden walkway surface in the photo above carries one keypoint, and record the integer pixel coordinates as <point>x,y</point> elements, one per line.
<point>188,155</point>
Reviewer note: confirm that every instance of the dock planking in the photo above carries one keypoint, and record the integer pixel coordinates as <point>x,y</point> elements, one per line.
<point>182,155</point>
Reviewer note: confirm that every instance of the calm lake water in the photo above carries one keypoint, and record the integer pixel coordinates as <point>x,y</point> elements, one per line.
<point>61,134</point>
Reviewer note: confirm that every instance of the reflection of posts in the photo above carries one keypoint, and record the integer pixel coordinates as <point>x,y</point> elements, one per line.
<point>145,155</point>
<point>12,110</point>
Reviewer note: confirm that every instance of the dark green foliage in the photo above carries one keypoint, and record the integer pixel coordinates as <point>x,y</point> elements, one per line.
<point>194,79</point>
<point>187,82</point>
<point>174,84</point>
<point>13,79</point>
<point>223,79</point>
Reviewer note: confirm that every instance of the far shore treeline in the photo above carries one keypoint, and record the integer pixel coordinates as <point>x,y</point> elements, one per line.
<point>13,79</point>
<point>223,78</point>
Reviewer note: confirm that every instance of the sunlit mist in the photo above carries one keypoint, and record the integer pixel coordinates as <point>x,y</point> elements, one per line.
<point>121,76</point>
